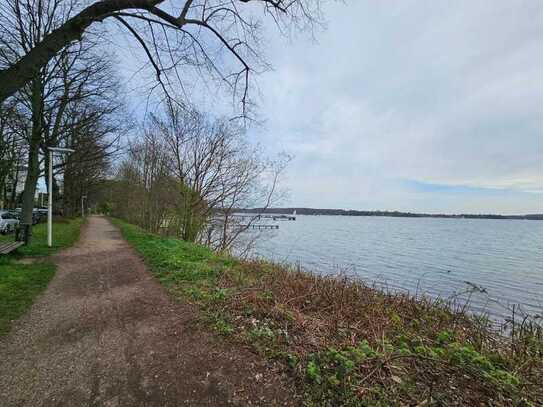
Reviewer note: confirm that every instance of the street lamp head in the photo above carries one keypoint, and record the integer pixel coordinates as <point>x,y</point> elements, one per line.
<point>61,150</point>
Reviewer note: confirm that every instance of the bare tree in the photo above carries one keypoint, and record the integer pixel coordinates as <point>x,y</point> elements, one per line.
<point>172,33</point>
<point>144,192</point>
<point>12,149</point>
<point>217,172</point>
<point>192,174</point>
<point>257,185</point>
<point>95,138</point>
<point>77,79</point>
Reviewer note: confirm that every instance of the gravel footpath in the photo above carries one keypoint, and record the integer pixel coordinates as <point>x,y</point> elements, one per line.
<point>105,333</point>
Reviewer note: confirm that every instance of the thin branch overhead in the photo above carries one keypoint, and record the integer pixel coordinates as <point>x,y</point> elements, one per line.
<point>219,39</point>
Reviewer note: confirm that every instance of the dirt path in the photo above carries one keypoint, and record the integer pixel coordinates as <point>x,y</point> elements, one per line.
<point>105,333</point>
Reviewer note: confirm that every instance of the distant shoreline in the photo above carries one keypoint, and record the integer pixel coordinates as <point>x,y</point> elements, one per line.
<point>394,214</point>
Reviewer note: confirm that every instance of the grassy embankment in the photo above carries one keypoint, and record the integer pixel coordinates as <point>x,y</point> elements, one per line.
<point>20,283</point>
<point>345,343</point>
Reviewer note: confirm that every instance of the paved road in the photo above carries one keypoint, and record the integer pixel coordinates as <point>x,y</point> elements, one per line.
<point>105,333</point>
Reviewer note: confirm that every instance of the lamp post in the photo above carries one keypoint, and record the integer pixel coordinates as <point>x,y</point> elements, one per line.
<point>52,150</point>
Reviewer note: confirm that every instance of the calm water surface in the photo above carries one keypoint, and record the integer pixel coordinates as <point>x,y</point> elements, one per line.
<point>435,257</point>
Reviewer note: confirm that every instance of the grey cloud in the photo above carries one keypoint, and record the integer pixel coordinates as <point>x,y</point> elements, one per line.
<point>442,92</point>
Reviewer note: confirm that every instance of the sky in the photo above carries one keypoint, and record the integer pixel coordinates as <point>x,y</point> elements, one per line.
<point>423,106</point>
<point>427,106</point>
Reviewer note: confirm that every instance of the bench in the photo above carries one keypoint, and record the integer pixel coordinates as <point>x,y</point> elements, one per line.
<point>6,248</point>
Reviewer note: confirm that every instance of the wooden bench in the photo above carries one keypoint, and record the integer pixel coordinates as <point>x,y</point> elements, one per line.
<point>6,248</point>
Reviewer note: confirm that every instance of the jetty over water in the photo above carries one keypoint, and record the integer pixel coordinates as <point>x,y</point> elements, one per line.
<point>272,217</point>
<point>259,226</point>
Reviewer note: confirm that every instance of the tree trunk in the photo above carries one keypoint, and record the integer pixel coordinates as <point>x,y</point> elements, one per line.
<point>72,192</point>
<point>33,170</point>
<point>13,198</point>
<point>3,194</point>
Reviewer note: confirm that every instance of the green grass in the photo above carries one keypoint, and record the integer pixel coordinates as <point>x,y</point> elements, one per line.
<point>21,283</point>
<point>185,268</point>
<point>346,343</point>
<point>65,234</point>
<point>19,286</point>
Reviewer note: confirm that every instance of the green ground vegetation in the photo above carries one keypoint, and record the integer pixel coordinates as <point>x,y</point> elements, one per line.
<point>26,273</point>
<point>346,343</point>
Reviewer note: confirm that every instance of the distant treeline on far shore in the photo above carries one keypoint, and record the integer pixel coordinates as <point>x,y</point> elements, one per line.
<point>350,212</point>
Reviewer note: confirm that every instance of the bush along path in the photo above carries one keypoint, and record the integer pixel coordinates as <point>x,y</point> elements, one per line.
<point>344,343</point>
<point>26,273</point>
<point>105,333</point>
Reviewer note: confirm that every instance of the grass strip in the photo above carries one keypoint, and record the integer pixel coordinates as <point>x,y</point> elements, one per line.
<point>20,283</point>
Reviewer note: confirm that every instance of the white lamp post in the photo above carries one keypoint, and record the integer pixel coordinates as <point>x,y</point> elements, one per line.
<point>50,191</point>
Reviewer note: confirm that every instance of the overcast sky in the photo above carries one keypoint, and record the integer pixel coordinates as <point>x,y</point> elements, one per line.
<point>412,105</point>
<point>427,106</point>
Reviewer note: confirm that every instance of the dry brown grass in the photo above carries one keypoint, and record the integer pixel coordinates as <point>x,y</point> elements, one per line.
<point>426,351</point>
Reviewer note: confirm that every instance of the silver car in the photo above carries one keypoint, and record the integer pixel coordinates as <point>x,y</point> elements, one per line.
<point>8,222</point>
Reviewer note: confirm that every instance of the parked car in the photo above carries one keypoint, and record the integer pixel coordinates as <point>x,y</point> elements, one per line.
<point>8,222</point>
<point>42,213</point>
<point>37,215</point>
<point>16,214</point>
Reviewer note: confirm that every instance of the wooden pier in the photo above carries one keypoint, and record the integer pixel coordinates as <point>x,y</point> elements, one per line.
<point>257,226</point>
<point>272,217</point>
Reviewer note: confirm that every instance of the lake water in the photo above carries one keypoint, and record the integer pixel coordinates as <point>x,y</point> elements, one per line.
<point>435,257</point>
